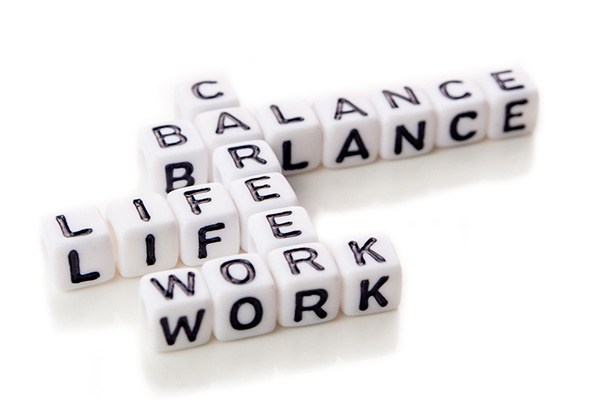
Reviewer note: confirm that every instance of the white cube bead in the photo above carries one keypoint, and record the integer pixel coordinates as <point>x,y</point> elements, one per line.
<point>145,233</point>
<point>371,274</point>
<point>287,226</point>
<point>259,193</point>
<point>308,284</point>
<point>208,223</point>
<point>351,130</point>
<point>243,295</point>
<point>177,309</point>
<point>205,93</point>
<point>174,156</point>
<point>78,248</point>
<point>293,130</point>
<point>243,159</point>
<point>461,112</point>
<point>407,121</point>
<point>227,126</point>
<point>513,102</point>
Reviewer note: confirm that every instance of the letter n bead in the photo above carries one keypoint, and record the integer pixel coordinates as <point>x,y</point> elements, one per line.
<point>78,248</point>
<point>177,309</point>
<point>371,274</point>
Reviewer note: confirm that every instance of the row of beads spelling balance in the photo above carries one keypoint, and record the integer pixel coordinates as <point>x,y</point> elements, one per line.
<point>337,131</point>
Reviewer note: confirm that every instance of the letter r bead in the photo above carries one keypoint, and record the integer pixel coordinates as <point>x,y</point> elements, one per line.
<point>371,274</point>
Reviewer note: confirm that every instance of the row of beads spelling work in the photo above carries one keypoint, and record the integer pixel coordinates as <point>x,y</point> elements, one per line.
<point>287,275</point>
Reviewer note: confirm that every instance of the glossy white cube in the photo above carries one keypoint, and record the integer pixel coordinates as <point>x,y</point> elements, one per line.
<point>78,247</point>
<point>207,221</point>
<point>259,193</point>
<point>371,274</point>
<point>287,226</point>
<point>174,156</point>
<point>308,284</point>
<point>351,130</point>
<point>243,159</point>
<point>407,121</point>
<point>145,234</point>
<point>204,93</point>
<point>513,101</point>
<point>461,112</point>
<point>243,294</point>
<point>177,309</point>
<point>227,126</point>
<point>293,130</point>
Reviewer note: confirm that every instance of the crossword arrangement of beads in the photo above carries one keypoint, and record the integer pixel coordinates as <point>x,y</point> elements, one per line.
<point>218,177</point>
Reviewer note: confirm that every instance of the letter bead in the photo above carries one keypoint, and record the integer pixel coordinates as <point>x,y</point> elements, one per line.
<point>513,102</point>
<point>371,274</point>
<point>227,126</point>
<point>205,93</point>
<point>308,284</point>
<point>177,309</point>
<point>208,223</point>
<point>243,294</point>
<point>78,248</point>
<point>461,112</point>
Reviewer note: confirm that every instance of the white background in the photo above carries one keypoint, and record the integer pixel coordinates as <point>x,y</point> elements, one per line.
<point>498,240</point>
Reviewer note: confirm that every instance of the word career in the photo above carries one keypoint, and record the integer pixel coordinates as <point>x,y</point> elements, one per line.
<point>218,173</point>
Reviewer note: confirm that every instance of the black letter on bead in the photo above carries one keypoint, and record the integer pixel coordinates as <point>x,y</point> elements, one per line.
<point>187,168</point>
<point>182,323</point>
<point>417,142</point>
<point>239,160</point>
<point>339,109</point>
<point>287,163</point>
<point>141,209</point>
<point>233,315</point>
<point>250,272</point>
<point>502,82</point>
<point>254,189</point>
<point>310,259</point>
<point>203,241</point>
<point>354,136</point>
<point>194,202</point>
<point>317,308</point>
<point>411,98</point>
<point>444,90</point>
<point>359,253</point>
<point>66,231</point>
<point>76,276</point>
<point>150,250</point>
<point>454,134</point>
<point>174,280</point>
<point>276,225</point>
<point>508,114</point>
<point>281,119</point>
<point>172,130</point>
<point>196,91</point>
<point>236,123</point>
<point>365,293</point>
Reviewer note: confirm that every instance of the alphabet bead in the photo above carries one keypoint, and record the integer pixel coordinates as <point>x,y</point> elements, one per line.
<point>461,112</point>
<point>243,295</point>
<point>205,93</point>
<point>260,193</point>
<point>227,126</point>
<point>208,223</point>
<point>78,248</point>
<point>308,284</point>
<point>407,121</point>
<point>242,159</point>
<point>292,129</point>
<point>174,156</point>
<point>177,309</point>
<point>145,234</point>
<point>269,230</point>
<point>351,130</point>
<point>371,274</point>
<point>513,102</point>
